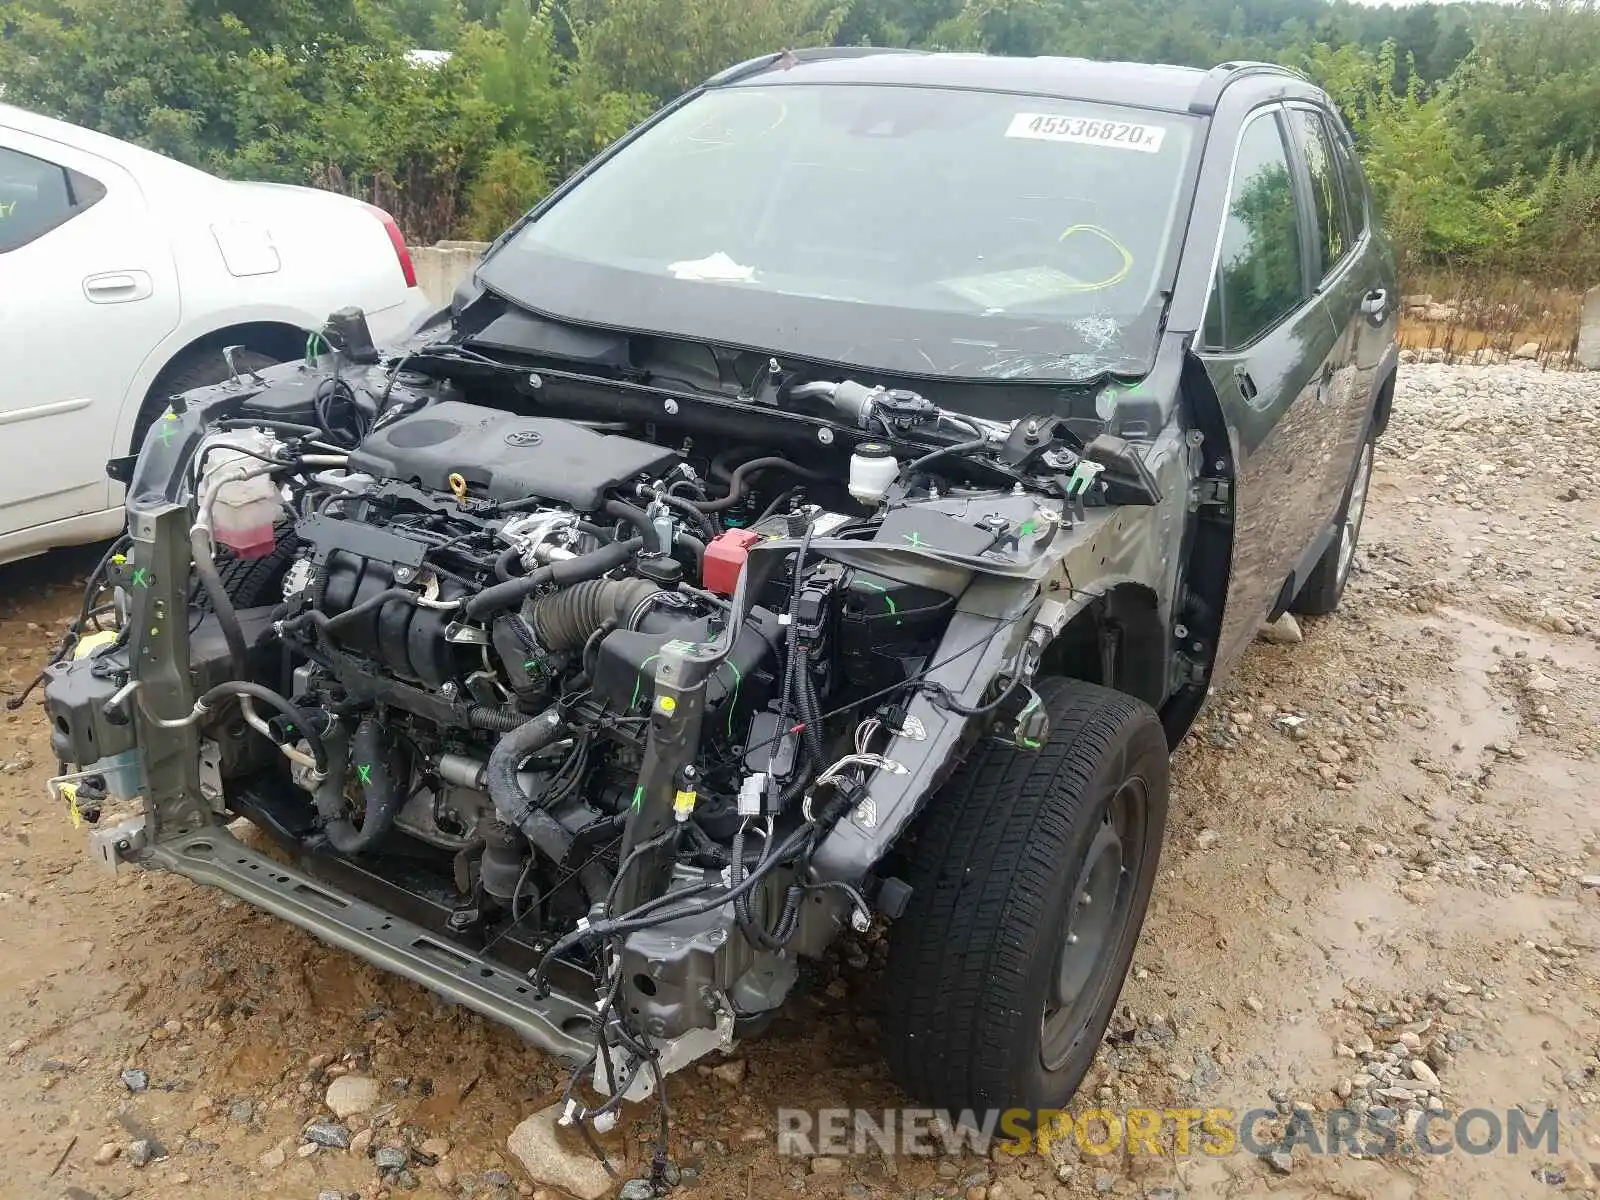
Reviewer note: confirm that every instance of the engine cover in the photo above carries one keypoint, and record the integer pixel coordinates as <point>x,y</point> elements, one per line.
<point>507,457</point>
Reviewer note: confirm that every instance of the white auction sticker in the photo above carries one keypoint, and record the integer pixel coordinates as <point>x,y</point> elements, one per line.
<point>1092,131</point>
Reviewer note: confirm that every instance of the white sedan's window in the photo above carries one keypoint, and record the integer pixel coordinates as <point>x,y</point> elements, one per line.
<point>36,196</point>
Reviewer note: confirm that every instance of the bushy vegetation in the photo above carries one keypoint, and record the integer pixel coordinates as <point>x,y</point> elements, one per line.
<point>1478,122</point>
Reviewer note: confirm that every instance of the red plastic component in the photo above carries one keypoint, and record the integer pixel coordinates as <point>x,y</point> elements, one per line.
<point>398,241</point>
<point>725,555</point>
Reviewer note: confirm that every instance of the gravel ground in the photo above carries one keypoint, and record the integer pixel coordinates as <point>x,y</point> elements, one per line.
<point>1381,889</point>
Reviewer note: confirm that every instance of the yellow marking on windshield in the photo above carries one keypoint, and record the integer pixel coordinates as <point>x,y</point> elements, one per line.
<point>1116,244</point>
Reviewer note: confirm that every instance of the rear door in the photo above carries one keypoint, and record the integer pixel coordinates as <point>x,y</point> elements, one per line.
<point>1270,350</point>
<point>1373,267</point>
<point>87,288</point>
<point>1341,284</point>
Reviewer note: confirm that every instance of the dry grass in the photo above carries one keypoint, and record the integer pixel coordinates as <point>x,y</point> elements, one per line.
<point>1473,316</point>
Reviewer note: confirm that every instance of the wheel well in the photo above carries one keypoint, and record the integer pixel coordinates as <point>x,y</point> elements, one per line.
<point>1383,404</point>
<point>274,338</point>
<point>1116,641</point>
<point>1206,556</point>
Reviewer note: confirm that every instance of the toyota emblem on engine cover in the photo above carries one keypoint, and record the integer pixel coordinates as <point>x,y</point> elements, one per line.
<point>524,437</point>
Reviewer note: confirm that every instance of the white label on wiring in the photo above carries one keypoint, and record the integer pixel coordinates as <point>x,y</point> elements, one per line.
<point>1090,131</point>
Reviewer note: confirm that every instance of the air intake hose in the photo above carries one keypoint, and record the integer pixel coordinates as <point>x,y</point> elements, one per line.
<point>564,620</point>
<point>374,762</point>
<point>501,596</point>
<point>516,808</point>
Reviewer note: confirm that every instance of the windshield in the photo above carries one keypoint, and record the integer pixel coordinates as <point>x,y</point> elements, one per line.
<point>902,229</point>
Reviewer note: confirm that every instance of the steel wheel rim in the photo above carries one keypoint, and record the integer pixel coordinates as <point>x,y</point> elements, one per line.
<point>1350,530</point>
<point>1099,907</point>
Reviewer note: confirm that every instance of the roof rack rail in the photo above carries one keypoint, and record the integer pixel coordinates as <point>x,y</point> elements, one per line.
<point>765,62</point>
<point>1220,76</point>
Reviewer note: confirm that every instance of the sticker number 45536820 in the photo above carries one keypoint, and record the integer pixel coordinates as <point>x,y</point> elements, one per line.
<point>1093,131</point>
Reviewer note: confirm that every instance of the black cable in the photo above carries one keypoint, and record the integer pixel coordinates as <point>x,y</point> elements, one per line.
<point>503,561</point>
<point>736,485</point>
<point>797,664</point>
<point>221,604</point>
<point>696,549</point>
<point>349,616</point>
<point>99,611</point>
<point>634,920</point>
<point>516,890</point>
<point>640,520</point>
<point>330,389</point>
<point>634,855</point>
<point>917,464</point>
<point>911,680</point>
<point>743,912</point>
<point>299,722</point>
<point>687,510</point>
<point>780,503</point>
<point>388,386</point>
<point>91,588</point>
<point>550,891</point>
<point>658,1160</point>
<point>289,428</point>
<point>600,633</point>
<point>945,698</point>
<point>15,702</point>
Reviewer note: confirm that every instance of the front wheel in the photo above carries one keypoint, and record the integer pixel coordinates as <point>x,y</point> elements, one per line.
<point>1030,876</point>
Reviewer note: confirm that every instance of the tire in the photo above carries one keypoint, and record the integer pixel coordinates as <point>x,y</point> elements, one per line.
<point>199,366</point>
<point>1324,587</point>
<point>980,957</point>
<point>254,582</point>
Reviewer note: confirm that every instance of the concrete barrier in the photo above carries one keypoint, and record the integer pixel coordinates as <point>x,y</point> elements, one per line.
<point>1589,331</point>
<point>441,267</point>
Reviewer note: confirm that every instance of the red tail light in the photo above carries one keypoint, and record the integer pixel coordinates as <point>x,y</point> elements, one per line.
<point>398,241</point>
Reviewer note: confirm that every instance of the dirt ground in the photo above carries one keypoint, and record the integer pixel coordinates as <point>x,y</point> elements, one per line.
<point>1384,850</point>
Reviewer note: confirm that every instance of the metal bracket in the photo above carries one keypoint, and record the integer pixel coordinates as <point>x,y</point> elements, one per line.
<point>114,846</point>
<point>228,356</point>
<point>211,775</point>
<point>676,1053</point>
<point>1213,490</point>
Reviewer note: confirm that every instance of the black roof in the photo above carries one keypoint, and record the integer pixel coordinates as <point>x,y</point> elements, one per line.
<point>1173,89</point>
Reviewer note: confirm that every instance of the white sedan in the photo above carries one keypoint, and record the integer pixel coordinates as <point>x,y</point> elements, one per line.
<point>123,275</point>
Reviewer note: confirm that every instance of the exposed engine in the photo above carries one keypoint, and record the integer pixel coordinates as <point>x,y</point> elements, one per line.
<point>589,696</point>
<point>479,600</point>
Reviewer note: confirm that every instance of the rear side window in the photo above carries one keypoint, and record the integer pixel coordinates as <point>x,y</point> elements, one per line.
<point>1259,274</point>
<point>1327,190</point>
<point>1355,183</point>
<point>37,195</point>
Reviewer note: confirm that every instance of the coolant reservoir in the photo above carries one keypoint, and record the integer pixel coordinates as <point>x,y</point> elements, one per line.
<point>872,469</point>
<point>243,510</point>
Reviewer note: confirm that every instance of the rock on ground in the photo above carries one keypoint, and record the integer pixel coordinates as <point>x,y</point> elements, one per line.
<point>351,1094</point>
<point>326,1133</point>
<point>1285,631</point>
<point>538,1147</point>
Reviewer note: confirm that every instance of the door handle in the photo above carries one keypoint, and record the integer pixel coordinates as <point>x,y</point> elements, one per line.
<point>118,287</point>
<point>1247,386</point>
<point>1375,303</point>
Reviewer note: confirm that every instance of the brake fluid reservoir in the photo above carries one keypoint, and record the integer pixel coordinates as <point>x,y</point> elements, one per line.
<point>872,469</point>
<point>243,510</point>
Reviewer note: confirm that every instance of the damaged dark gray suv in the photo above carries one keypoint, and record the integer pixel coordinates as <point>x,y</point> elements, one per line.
<point>829,506</point>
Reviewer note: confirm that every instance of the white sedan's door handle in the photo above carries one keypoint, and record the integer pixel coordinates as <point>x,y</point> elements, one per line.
<point>118,287</point>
